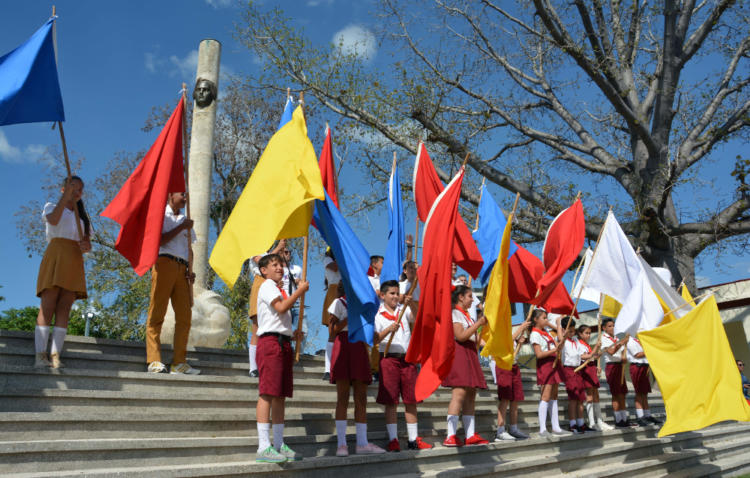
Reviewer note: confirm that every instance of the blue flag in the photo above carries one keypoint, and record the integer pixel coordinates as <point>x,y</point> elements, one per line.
<point>353,260</point>
<point>489,234</point>
<point>395,252</point>
<point>29,88</point>
<point>286,116</point>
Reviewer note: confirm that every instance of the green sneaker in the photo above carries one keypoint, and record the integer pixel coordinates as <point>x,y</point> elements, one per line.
<point>290,454</point>
<point>270,455</point>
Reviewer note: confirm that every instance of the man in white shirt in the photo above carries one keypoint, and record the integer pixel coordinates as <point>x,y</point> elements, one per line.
<point>170,280</point>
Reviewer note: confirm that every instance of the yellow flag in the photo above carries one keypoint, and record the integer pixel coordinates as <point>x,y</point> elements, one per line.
<point>685,293</point>
<point>696,371</point>
<point>497,334</point>
<point>667,317</point>
<point>277,202</point>
<point>610,307</point>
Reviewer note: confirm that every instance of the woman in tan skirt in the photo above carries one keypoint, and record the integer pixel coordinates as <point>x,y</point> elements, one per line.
<point>61,276</point>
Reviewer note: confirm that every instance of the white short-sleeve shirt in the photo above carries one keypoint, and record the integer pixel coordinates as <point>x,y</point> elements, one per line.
<point>268,319</point>
<point>571,353</point>
<point>178,246</point>
<point>405,285</point>
<point>473,307</point>
<point>634,347</point>
<point>338,309</point>
<point>65,229</point>
<point>608,341</point>
<point>332,277</point>
<point>402,336</point>
<point>375,282</point>
<point>296,271</point>
<point>544,340</point>
<point>460,318</point>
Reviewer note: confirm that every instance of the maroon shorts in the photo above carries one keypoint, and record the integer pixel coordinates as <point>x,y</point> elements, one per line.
<point>274,366</point>
<point>639,377</point>
<point>574,385</point>
<point>509,385</point>
<point>613,372</point>
<point>349,361</point>
<point>546,374</point>
<point>397,377</point>
<point>465,370</point>
<point>589,376</point>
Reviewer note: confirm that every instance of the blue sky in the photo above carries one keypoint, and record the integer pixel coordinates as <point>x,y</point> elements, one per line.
<point>117,60</point>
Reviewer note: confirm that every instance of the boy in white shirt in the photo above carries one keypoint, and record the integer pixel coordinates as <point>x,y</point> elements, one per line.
<point>397,376</point>
<point>274,357</point>
<point>639,369</point>
<point>571,359</point>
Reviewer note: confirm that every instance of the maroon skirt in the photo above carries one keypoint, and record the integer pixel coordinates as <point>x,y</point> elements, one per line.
<point>639,377</point>
<point>465,370</point>
<point>546,373</point>
<point>613,372</point>
<point>574,385</point>
<point>509,384</point>
<point>349,361</point>
<point>589,376</point>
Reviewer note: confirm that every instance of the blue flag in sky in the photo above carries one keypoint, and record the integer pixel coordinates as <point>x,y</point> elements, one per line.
<point>286,116</point>
<point>353,260</point>
<point>395,252</point>
<point>489,234</point>
<point>29,88</point>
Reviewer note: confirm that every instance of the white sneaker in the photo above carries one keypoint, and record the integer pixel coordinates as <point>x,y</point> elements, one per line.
<point>518,434</point>
<point>343,450</point>
<point>156,367</point>
<point>41,360</point>
<point>604,426</point>
<point>183,369</point>
<point>369,449</point>
<point>505,436</point>
<point>561,433</point>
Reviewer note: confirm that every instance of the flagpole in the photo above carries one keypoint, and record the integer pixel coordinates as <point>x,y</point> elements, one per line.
<point>598,338</point>
<point>624,360</point>
<point>695,300</point>
<point>305,248</point>
<point>187,194</point>
<point>416,239</point>
<point>400,316</point>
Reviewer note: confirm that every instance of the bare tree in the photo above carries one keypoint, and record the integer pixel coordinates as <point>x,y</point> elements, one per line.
<point>633,103</point>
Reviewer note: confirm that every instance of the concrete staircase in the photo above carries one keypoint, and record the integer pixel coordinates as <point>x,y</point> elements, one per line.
<point>104,416</point>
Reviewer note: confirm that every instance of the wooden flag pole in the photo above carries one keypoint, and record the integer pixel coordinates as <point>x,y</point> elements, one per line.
<point>401,315</point>
<point>598,338</point>
<point>624,360</point>
<point>187,195</point>
<point>416,240</point>
<point>695,299</point>
<point>305,248</point>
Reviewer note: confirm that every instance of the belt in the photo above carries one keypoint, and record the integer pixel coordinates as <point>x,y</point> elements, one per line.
<point>639,364</point>
<point>280,337</point>
<point>392,355</point>
<point>179,260</point>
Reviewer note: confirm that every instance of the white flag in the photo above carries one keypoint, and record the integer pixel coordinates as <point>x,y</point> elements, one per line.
<point>669,296</point>
<point>587,293</point>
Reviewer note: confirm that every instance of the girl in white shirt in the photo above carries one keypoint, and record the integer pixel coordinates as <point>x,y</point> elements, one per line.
<point>61,277</point>
<point>548,375</point>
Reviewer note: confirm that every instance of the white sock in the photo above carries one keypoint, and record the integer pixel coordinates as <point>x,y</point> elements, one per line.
<point>598,412</point>
<point>392,430</point>
<point>543,406</point>
<point>251,352</point>
<point>329,351</point>
<point>278,435</point>
<point>41,337</point>
<point>639,413</point>
<point>579,422</point>
<point>58,338</point>
<point>501,429</point>
<point>361,434</point>
<point>513,428</point>
<point>573,422</point>
<point>341,432</point>
<point>452,424</point>
<point>647,412</point>
<point>411,430</point>
<point>554,416</point>
<point>589,408</point>
<point>263,439</point>
<point>492,369</point>
<point>468,425</point>
<point>617,417</point>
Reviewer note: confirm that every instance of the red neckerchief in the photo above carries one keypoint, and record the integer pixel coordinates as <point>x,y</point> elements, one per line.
<point>392,317</point>
<point>588,347</point>
<point>543,333</point>
<point>283,292</point>
<point>466,314</point>
<point>606,335</point>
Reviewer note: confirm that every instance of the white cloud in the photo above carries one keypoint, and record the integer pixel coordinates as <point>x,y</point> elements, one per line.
<point>356,40</point>
<point>12,154</point>
<point>151,62</point>
<point>316,3</point>
<point>185,66</point>
<point>181,67</point>
<point>220,3</point>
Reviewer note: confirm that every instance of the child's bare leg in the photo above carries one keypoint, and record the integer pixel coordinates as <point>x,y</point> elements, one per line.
<point>360,401</point>
<point>502,408</point>
<point>390,413</point>
<point>342,399</point>
<point>410,412</point>
<point>458,395</point>
<point>514,413</point>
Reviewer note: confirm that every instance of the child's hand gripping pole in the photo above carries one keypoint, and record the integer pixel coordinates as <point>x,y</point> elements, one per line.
<point>400,316</point>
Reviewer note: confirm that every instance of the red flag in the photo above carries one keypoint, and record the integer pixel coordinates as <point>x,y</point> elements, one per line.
<point>561,248</point>
<point>327,169</point>
<point>139,206</point>
<point>432,341</point>
<point>526,270</point>
<point>427,187</point>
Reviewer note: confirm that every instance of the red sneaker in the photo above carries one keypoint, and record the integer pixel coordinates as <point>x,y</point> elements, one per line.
<point>393,445</point>
<point>476,439</point>
<point>418,444</point>
<point>453,441</point>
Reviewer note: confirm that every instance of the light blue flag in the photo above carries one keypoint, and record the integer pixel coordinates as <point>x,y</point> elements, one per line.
<point>353,260</point>
<point>489,234</point>
<point>286,116</point>
<point>395,252</point>
<point>29,88</point>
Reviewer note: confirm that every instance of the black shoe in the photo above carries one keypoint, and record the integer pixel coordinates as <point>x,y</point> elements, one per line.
<point>629,423</point>
<point>375,377</point>
<point>254,373</point>
<point>585,428</point>
<point>642,422</point>
<point>653,420</point>
<point>574,430</point>
<point>327,377</point>
<point>622,424</point>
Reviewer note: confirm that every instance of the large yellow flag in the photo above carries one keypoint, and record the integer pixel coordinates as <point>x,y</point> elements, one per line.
<point>497,334</point>
<point>685,293</point>
<point>696,371</point>
<point>277,201</point>
<point>610,307</point>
